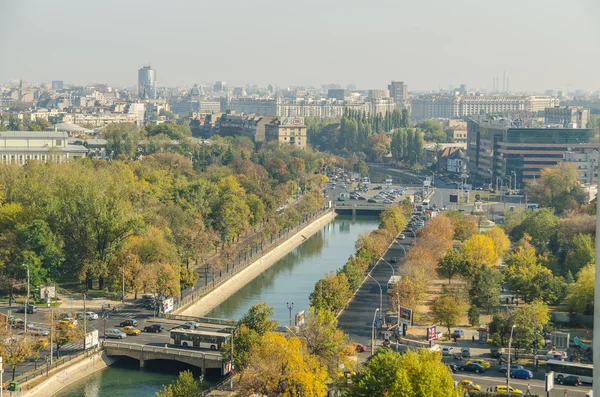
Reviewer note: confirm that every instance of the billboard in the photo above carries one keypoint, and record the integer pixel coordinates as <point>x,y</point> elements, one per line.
<point>366,180</point>
<point>406,315</point>
<point>431,333</point>
<point>167,305</point>
<point>47,292</point>
<point>292,121</point>
<point>426,183</point>
<point>453,198</point>
<point>388,182</point>
<point>91,339</point>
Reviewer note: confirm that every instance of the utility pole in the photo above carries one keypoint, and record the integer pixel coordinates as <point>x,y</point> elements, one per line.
<point>26,299</point>
<point>52,325</point>
<point>596,339</point>
<point>290,307</point>
<point>84,322</point>
<point>231,375</point>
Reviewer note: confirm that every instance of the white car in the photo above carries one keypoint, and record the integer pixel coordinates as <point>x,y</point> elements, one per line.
<point>38,330</point>
<point>447,350</point>
<point>91,316</point>
<point>192,324</point>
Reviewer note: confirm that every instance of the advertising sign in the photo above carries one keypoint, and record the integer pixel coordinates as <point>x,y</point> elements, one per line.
<point>388,182</point>
<point>549,381</point>
<point>300,319</point>
<point>227,368</point>
<point>453,198</point>
<point>366,180</point>
<point>167,305</point>
<point>406,315</point>
<point>292,121</point>
<point>47,292</point>
<point>91,339</point>
<point>431,333</point>
<point>426,183</point>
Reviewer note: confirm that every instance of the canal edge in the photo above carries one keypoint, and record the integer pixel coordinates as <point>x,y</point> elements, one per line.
<point>250,272</point>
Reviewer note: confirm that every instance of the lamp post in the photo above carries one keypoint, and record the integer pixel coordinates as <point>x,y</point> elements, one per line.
<point>290,307</point>
<point>26,298</point>
<point>380,295</point>
<point>390,265</point>
<point>508,362</point>
<point>373,333</point>
<point>401,246</point>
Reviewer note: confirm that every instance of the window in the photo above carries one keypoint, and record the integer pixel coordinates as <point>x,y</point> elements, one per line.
<point>59,142</point>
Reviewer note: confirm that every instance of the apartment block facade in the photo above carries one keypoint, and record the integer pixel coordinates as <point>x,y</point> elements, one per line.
<point>287,131</point>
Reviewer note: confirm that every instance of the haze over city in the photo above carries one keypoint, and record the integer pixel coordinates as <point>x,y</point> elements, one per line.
<point>540,44</point>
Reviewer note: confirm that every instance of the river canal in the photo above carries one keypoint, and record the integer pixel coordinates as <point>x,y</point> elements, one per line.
<point>291,279</point>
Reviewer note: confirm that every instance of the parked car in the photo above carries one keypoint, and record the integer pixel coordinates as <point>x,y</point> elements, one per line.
<point>469,385</point>
<point>361,348</point>
<point>128,323</point>
<point>362,198</point>
<point>473,367</point>
<point>495,353</point>
<point>377,188</point>
<point>387,201</point>
<point>521,374</point>
<point>30,309</point>
<point>511,390</point>
<point>465,352</point>
<point>513,367</point>
<point>569,380</point>
<point>156,328</point>
<point>447,350</point>
<point>371,201</point>
<point>115,333</point>
<point>483,363</point>
<point>458,333</point>
<point>129,330</point>
<point>38,330</point>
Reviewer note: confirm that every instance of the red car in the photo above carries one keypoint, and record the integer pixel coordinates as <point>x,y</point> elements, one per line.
<point>413,242</point>
<point>361,348</point>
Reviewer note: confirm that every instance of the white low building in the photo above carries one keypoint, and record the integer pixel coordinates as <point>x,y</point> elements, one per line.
<point>17,147</point>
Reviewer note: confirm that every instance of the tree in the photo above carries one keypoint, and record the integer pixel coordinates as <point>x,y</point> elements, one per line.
<point>582,253</point>
<point>473,315</point>
<point>447,310</point>
<point>15,350</point>
<point>184,386</point>
<point>542,226</point>
<point>500,240</point>
<point>257,319</point>
<point>486,287</point>
<point>282,367</point>
<point>479,250</point>
<point>581,293</point>
<point>63,334</point>
<point>414,374</point>
<point>331,292</point>
<point>433,131</point>
<point>451,264</point>
<point>325,341</point>
<point>558,187</point>
<point>464,226</point>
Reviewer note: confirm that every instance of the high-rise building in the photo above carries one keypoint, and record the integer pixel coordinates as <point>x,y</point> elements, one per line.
<point>399,93</point>
<point>57,84</point>
<point>567,116</point>
<point>147,82</point>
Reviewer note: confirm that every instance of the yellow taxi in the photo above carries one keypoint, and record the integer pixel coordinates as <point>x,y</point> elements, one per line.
<point>129,330</point>
<point>65,322</point>
<point>469,385</point>
<point>502,389</point>
<point>483,363</point>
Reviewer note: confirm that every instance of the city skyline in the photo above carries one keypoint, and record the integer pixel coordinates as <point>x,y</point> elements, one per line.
<point>466,42</point>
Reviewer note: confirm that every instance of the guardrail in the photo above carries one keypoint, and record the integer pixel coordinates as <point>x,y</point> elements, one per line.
<point>204,320</point>
<point>163,350</point>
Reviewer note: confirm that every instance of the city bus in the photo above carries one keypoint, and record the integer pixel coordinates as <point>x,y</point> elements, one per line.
<point>565,368</point>
<point>198,338</point>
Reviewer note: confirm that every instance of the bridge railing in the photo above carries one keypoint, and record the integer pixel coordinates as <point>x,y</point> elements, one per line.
<point>163,350</point>
<point>205,320</point>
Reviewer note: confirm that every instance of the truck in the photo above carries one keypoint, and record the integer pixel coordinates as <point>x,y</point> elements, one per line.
<point>393,280</point>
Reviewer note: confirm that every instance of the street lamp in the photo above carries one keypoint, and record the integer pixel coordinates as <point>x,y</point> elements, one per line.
<point>401,246</point>
<point>123,282</point>
<point>508,362</point>
<point>391,267</point>
<point>373,333</point>
<point>26,298</point>
<point>290,307</point>
<point>380,294</point>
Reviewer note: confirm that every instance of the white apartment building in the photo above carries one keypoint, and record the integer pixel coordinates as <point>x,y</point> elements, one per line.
<point>18,147</point>
<point>434,106</point>
<point>586,161</point>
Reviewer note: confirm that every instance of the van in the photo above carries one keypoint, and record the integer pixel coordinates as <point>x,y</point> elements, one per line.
<point>393,280</point>
<point>115,333</point>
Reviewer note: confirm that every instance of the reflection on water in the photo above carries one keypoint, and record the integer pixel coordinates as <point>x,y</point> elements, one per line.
<point>125,379</point>
<point>293,278</point>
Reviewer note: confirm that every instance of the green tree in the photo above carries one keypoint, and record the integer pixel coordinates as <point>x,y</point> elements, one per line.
<point>581,293</point>
<point>542,226</point>
<point>184,386</point>
<point>473,315</point>
<point>257,319</point>
<point>486,287</point>
<point>433,131</point>
<point>414,374</point>
<point>451,264</point>
<point>331,292</point>
<point>447,310</point>
<point>582,253</point>
<point>15,350</point>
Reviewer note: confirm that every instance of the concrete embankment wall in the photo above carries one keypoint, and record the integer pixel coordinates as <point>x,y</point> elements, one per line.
<point>64,376</point>
<point>237,281</point>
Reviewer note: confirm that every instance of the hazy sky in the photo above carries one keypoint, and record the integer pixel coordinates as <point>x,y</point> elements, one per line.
<point>429,44</point>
